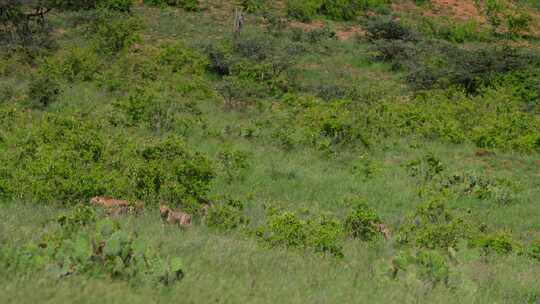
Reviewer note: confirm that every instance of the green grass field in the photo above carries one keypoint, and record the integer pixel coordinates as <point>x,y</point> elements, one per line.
<point>303,142</point>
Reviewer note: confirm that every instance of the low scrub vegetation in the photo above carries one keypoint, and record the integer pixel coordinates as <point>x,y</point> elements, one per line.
<point>149,151</point>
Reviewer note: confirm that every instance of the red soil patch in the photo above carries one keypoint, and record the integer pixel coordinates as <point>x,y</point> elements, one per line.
<point>460,9</point>
<point>349,33</point>
<point>307,27</point>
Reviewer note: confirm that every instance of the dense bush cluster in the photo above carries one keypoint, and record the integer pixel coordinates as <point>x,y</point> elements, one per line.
<point>334,9</point>
<point>188,5</point>
<point>287,229</point>
<point>76,159</point>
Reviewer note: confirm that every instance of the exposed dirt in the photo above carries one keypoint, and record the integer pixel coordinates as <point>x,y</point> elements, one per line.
<point>459,9</point>
<point>463,10</point>
<point>307,27</point>
<point>348,33</point>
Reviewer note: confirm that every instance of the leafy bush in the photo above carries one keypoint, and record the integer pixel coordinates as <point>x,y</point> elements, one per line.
<point>182,59</point>
<point>188,5</point>
<point>433,267</point>
<point>502,191</point>
<point>303,10</point>
<point>500,243</point>
<point>518,22</point>
<point>426,168</point>
<point>362,223</point>
<point>227,215</point>
<point>151,109</point>
<point>433,226</point>
<point>234,164</point>
<point>77,64</point>
<point>75,5</point>
<point>116,5</point>
<point>387,29</point>
<point>287,229</point>
<point>113,32</point>
<point>534,250</point>
<point>169,171</point>
<point>43,90</point>
<point>445,65</point>
<point>57,153</point>
<point>257,65</point>
<point>253,6</point>
<point>340,9</point>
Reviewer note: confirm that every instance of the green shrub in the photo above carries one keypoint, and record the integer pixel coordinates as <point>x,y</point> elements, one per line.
<point>500,243</point>
<point>519,22</point>
<point>234,164</point>
<point>534,250</point>
<point>433,226</point>
<point>362,223</point>
<point>288,230</point>
<point>433,267</point>
<point>160,113</point>
<point>169,171</point>
<point>426,168</point>
<point>303,10</point>
<point>253,6</point>
<point>340,9</point>
<point>77,64</point>
<point>227,215</point>
<point>387,29</point>
<point>116,5</point>
<point>59,153</point>
<point>43,90</point>
<point>188,5</point>
<point>441,66</point>
<point>113,32</point>
<point>182,59</point>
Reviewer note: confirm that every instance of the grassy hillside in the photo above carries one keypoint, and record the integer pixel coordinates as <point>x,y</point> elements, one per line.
<point>350,151</point>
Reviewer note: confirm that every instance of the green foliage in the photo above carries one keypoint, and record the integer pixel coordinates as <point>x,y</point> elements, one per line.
<point>234,164</point>
<point>366,167</point>
<point>116,5</point>
<point>534,250</point>
<point>303,10</point>
<point>112,32</point>
<point>432,267</point>
<point>227,215</point>
<point>182,59</point>
<point>169,171</point>
<point>340,9</point>
<point>287,229</point>
<point>456,32</point>
<point>258,65</point>
<point>502,191</point>
<point>188,5</point>
<point>43,90</point>
<point>151,109</point>
<point>426,168</point>
<point>386,28</point>
<point>500,242</point>
<point>334,9</point>
<point>84,245</point>
<point>76,64</point>
<point>362,223</point>
<point>433,226</point>
<point>253,6</point>
<point>58,153</point>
